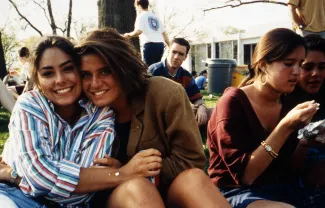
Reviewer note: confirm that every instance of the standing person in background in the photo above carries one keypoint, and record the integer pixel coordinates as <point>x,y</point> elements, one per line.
<point>151,32</point>
<point>25,75</point>
<point>202,79</point>
<point>23,58</point>
<point>171,68</point>
<point>308,16</point>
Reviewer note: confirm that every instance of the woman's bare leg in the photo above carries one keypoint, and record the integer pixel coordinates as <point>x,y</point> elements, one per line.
<point>193,188</point>
<point>138,192</point>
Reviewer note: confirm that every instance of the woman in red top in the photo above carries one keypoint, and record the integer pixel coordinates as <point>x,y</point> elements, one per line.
<point>249,131</point>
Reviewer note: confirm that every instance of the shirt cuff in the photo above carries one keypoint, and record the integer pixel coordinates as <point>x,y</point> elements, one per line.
<point>67,179</point>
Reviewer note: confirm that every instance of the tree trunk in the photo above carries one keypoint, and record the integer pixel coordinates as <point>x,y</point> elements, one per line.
<point>69,18</point>
<point>118,14</point>
<point>53,25</point>
<point>3,70</point>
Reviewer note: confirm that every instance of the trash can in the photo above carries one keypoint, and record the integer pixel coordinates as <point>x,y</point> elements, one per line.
<point>220,74</point>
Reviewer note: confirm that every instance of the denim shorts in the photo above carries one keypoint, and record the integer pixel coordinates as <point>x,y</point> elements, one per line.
<point>13,196</point>
<point>295,195</point>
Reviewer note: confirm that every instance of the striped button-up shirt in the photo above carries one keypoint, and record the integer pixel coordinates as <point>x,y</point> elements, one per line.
<point>48,153</point>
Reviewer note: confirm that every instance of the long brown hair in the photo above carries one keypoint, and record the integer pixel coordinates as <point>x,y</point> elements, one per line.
<point>275,45</point>
<point>121,58</point>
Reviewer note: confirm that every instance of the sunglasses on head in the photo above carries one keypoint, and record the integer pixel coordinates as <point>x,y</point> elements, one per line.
<point>311,66</point>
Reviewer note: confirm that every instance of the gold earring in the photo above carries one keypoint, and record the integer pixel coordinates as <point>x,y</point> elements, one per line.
<point>267,75</point>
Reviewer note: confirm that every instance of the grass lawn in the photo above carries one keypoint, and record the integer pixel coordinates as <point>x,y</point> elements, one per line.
<point>210,101</point>
<point>4,120</point>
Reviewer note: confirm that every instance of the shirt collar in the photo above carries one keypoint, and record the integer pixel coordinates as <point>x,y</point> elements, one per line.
<point>166,70</point>
<point>88,106</point>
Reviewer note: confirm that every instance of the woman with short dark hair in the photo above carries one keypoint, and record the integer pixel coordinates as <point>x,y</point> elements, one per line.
<point>151,113</point>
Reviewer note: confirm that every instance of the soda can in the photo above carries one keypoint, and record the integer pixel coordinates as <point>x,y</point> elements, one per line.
<point>154,180</point>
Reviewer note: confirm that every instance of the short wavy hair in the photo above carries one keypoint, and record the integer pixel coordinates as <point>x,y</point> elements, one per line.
<point>120,57</point>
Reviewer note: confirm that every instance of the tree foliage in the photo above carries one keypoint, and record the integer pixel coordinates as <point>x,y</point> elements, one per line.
<point>9,45</point>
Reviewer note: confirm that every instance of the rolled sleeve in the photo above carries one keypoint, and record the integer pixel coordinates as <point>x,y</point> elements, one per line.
<point>193,91</point>
<point>68,176</point>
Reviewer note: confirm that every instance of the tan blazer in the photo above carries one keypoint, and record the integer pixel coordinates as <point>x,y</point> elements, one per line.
<point>164,120</point>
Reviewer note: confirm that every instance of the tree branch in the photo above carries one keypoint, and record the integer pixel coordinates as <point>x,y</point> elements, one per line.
<point>23,17</point>
<point>48,20</point>
<point>240,3</point>
<point>53,25</point>
<point>69,18</point>
<point>62,30</point>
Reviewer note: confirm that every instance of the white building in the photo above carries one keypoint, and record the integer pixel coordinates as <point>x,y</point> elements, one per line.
<point>235,46</point>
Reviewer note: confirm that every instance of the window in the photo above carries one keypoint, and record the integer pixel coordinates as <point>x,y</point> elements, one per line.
<point>209,50</point>
<point>248,53</point>
<point>235,49</point>
<point>217,50</point>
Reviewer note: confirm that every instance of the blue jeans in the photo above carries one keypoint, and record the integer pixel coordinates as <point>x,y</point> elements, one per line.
<point>13,196</point>
<point>152,52</point>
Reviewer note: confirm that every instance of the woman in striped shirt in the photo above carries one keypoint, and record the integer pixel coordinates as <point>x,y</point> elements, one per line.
<point>55,135</point>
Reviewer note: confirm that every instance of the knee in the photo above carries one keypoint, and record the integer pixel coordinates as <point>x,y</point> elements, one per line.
<point>137,185</point>
<point>191,176</point>
<point>138,191</point>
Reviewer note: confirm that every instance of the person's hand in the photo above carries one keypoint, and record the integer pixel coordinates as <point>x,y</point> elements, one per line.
<point>5,171</point>
<point>1,161</point>
<point>108,161</point>
<point>194,108</point>
<point>144,164</point>
<point>301,115</point>
<point>201,115</point>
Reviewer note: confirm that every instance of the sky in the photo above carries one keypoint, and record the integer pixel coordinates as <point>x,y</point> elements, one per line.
<point>83,11</point>
<point>243,17</point>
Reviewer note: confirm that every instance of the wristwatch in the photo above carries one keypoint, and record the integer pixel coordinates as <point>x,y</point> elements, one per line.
<point>301,26</point>
<point>13,176</point>
<point>269,149</point>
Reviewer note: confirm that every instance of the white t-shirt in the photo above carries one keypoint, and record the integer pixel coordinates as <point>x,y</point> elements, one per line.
<point>151,27</point>
<point>24,73</point>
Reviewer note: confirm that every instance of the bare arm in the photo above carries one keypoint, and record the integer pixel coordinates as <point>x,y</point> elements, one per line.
<point>166,39</point>
<point>133,34</point>
<point>7,100</point>
<point>143,164</point>
<point>260,159</point>
<point>294,16</point>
